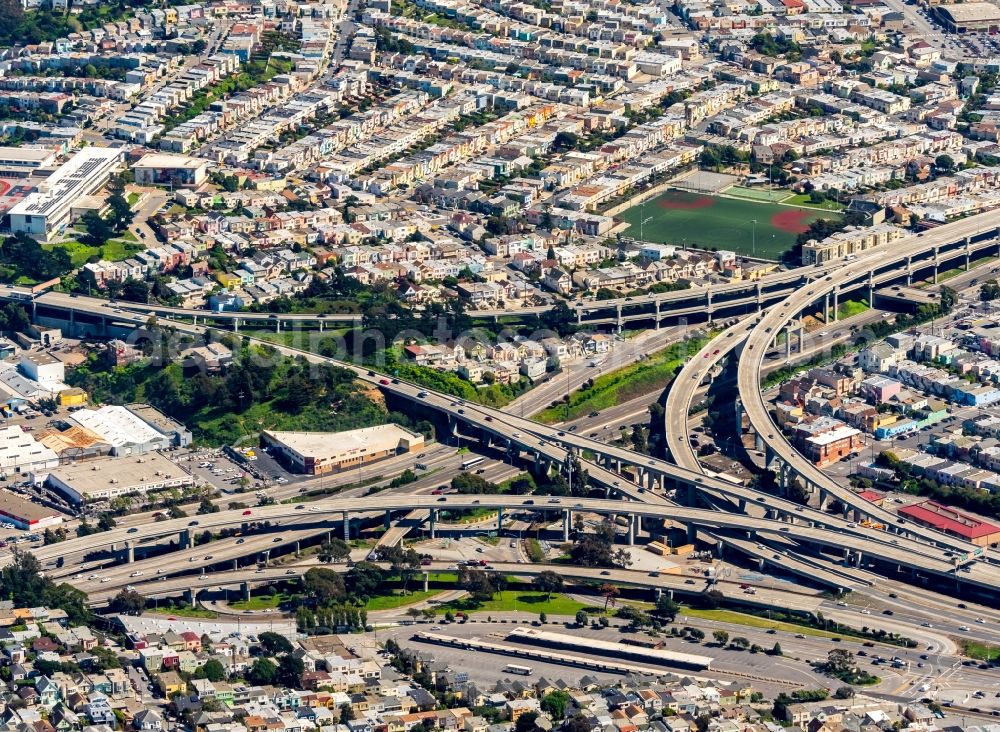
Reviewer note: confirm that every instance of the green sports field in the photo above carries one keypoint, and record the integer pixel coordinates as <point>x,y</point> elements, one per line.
<point>681,217</point>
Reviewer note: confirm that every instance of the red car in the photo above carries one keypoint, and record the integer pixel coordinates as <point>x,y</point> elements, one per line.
<point>383,381</point>
<point>247,513</point>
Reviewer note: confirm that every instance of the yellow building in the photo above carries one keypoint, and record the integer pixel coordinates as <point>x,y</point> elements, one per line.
<point>72,397</point>
<point>228,280</point>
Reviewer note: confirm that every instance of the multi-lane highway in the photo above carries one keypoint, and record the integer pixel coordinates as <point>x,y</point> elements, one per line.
<point>918,550</point>
<point>976,229</point>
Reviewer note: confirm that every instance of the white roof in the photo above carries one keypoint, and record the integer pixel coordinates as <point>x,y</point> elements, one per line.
<point>117,425</point>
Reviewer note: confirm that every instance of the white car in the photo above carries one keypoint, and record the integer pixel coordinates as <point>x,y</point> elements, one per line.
<point>964,628</point>
<point>137,573</point>
<point>981,621</point>
<point>105,579</point>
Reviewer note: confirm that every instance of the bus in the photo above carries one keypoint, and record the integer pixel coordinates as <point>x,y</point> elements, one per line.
<point>472,462</point>
<point>513,668</point>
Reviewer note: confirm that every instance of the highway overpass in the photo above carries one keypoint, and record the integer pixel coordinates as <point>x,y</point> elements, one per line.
<point>968,234</point>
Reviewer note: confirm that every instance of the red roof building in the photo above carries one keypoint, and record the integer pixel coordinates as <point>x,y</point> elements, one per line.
<point>872,497</point>
<point>952,522</point>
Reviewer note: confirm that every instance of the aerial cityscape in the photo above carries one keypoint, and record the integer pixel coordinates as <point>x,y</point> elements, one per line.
<point>499,365</point>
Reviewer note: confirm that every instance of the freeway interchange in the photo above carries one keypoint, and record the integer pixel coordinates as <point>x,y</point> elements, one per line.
<point>767,528</point>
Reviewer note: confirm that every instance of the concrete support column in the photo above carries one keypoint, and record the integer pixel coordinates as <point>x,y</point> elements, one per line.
<point>427,581</point>
<point>236,325</point>
<point>298,549</point>
<point>759,442</point>
<point>347,526</point>
<point>823,497</point>
<point>236,564</point>
<point>277,325</point>
<point>826,308</point>
<point>387,522</point>
<point>858,558</point>
<point>836,303</point>
<point>631,529</point>
<point>185,539</point>
<point>909,270</point>
<point>129,553</point>
<point>499,520</point>
<point>618,318</point>
<point>245,591</point>
<point>788,343</point>
<point>189,596</point>
<point>433,521</point>
<point>567,523</point>
<point>692,533</point>
<point>657,304</point>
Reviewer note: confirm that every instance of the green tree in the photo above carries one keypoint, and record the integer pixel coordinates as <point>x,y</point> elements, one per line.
<point>214,670</point>
<point>526,722</point>
<point>554,703</point>
<point>548,582</point>
<point>98,230</point>
<point>944,163</point>
<point>120,216</point>
<point>610,593</point>
<point>844,692</point>
<point>127,602</point>
<point>346,713</point>
<point>989,290</point>
<point>721,637</point>
<point>335,550</point>
<point>581,617</point>
<point>290,670</point>
<point>263,672</point>
<point>274,644</point>
<point>324,585</point>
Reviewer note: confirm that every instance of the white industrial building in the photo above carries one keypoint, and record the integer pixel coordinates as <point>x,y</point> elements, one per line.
<point>332,452</point>
<point>107,478</point>
<point>47,211</point>
<point>126,432</point>
<point>20,452</point>
<point>164,168</point>
<point>44,368</point>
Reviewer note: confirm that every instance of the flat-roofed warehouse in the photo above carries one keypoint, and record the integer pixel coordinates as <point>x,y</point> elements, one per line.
<point>315,453</point>
<point>106,478</point>
<point>27,515</point>
<point>965,17</point>
<point>164,168</point>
